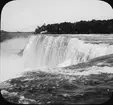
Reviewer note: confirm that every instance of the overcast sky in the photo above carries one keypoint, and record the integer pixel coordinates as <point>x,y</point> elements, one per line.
<point>25,15</point>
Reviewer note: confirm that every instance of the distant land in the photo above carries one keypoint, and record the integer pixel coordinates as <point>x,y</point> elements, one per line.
<point>4,35</point>
<point>81,27</point>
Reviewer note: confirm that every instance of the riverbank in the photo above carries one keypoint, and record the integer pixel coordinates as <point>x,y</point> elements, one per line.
<point>4,35</point>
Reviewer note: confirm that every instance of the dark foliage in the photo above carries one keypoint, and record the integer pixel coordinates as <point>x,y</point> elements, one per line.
<point>82,27</point>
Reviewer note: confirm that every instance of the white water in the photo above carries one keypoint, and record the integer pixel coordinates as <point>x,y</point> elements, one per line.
<point>10,63</point>
<point>48,52</point>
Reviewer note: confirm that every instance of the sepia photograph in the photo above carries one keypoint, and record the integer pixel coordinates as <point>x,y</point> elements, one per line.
<point>56,52</point>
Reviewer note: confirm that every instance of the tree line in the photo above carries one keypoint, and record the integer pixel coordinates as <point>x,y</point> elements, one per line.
<point>81,27</point>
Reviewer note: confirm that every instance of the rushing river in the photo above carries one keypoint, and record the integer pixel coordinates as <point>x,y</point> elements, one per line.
<point>63,69</point>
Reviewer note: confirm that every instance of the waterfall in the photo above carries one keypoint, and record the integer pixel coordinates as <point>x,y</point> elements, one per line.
<point>45,51</point>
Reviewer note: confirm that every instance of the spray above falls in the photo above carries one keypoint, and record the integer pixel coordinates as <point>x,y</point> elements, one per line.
<point>45,51</point>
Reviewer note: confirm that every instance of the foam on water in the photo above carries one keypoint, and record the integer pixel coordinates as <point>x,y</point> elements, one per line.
<point>11,66</point>
<point>48,51</point>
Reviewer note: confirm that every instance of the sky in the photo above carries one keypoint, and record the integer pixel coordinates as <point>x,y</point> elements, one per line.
<point>25,15</point>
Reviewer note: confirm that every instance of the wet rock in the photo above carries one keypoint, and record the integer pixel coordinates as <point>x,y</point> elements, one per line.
<point>12,97</point>
<point>4,92</point>
<point>24,100</point>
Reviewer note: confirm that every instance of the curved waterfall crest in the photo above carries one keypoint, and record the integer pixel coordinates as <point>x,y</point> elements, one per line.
<point>44,51</point>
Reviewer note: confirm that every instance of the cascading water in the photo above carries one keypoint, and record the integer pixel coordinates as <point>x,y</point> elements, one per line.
<point>44,51</point>
<point>59,68</point>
